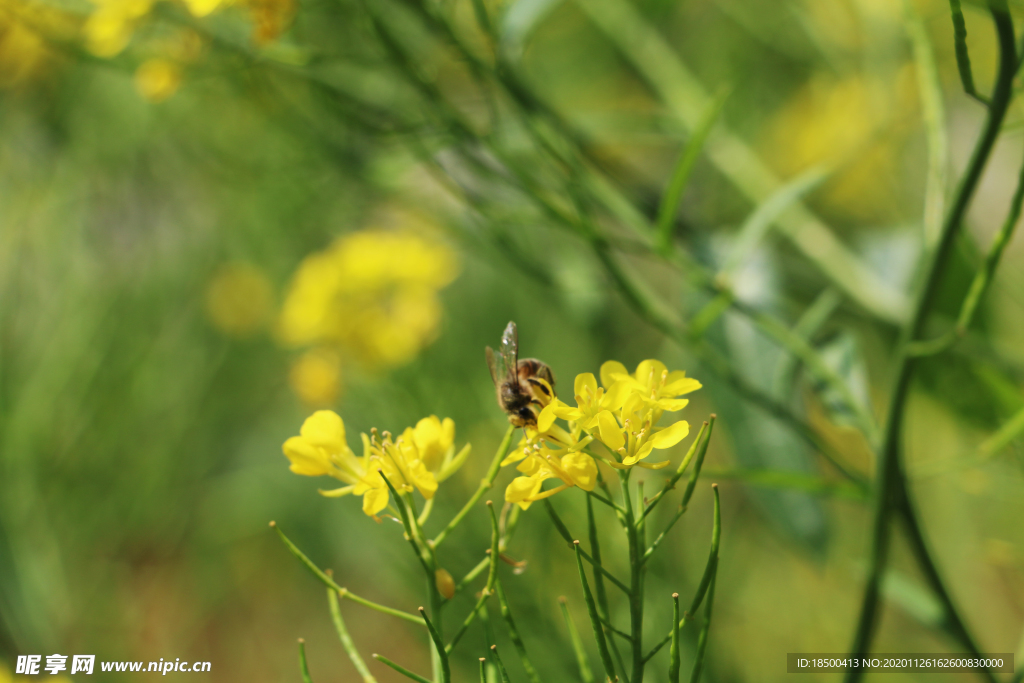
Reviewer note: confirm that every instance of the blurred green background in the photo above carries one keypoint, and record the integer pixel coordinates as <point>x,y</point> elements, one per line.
<point>152,220</point>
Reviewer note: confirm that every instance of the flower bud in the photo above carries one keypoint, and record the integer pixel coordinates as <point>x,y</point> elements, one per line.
<point>445,583</point>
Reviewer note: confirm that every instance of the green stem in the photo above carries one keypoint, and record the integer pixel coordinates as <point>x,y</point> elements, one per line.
<point>599,588</point>
<point>891,491</point>
<point>670,485</point>
<point>303,665</point>
<point>342,592</point>
<point>636,590</point>
<point>492,577</point>
<point>673,667</point>
<point>709,571</point>
<point>513,633</point>
<point>485,486</point>
<point>563,531</point>
<point>435,636</point>
<point>702,639</point>
<point>500,665</point>
<point>595,620</point>
<point>963,59</point>
<point>586,675</point>
<point>402,670</point>
<point>346,639</point>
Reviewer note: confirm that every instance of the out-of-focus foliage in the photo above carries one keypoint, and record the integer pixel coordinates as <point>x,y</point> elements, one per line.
<point>214,216</point>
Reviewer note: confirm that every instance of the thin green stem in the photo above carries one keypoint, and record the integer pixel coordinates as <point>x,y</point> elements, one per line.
<point>702,639</point>
<point>492,577</point>
<point>595,620</point>
<point>513,633</point>
<point>981,282</point>
<point>963,59</point>
<point>303,665</point>
<point>435,636</point>
<point>705,580</point>
<point>485,485</point>
<point>342,592</point>
<point>636,591</point>
<point>500,665</point>
<point>483,670</point>
<point>670,485</point>
<point>586,675</point>
<point>402,670</point>
<point>563,531</point>
<point>673,666</point>
<point>892,493</point>
<point>599,589</point>
<point>346,639</point>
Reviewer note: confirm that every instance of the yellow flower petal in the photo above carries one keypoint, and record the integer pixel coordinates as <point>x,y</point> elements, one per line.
<point>653,465</point>
<point>547,417</point>
<point>306,458</point>
<point>585,385</point>
<point>375,500</point>
<point>325,428</point>
<point>672,404</point>
<point>610,371</point>
<point>582,469</point>
<point>677,386</point>
<point>616,395</point>
<point>521,488</point>
<point>671,435</point>
<point>336,493</point>
<point>609,431</point>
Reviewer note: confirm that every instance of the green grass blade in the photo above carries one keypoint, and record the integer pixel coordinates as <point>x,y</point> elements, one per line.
<point>963,58</point>
<point>702,639</point>
<point>681,173</point>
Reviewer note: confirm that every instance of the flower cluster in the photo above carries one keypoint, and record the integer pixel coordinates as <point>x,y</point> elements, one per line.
<point>373,293</point>
<point>419,459</point>
<point>621,414</point>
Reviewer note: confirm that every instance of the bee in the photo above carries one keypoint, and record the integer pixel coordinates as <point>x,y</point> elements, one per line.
<point>523,386</point>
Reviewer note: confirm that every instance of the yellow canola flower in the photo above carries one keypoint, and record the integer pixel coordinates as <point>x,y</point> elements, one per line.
<point>555,453</point>
<point>157,79</point>
<point>373,293</point>
<point>622,413</point>
<point>315,377</point>
<point>321,449</point>
<point>109,28</point>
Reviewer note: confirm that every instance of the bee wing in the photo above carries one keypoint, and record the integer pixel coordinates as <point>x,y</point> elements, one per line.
<point>492,365</point>
<point>510,351</point>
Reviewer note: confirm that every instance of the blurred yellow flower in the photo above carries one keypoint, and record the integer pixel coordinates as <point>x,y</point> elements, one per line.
<point>239,300</point>
<point>270,18</point>
<point>321,449</point>
<point>110,26</point>
<point>24,50</point>
<point>552,454</point>
<point>373,293</point>
<point>157,79</point>
<point>315,377</point>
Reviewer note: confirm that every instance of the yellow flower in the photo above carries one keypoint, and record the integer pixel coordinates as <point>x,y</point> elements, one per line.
<point>321,449</point>
<point>554,453</point>
<point>316,377</point>
<point>270,18</point>
<point>157,79</point>
<point>654,384</point>
<point>109,28</point>
<point>636,436</point>
<point>434,440</point>
<point>373,293</point>
<point>591,400</point>
<point>239,300</point>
